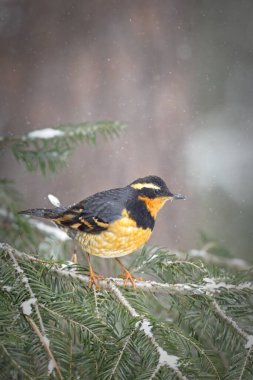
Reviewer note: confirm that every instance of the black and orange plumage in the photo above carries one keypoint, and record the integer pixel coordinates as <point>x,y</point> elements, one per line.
<point>112,223</point>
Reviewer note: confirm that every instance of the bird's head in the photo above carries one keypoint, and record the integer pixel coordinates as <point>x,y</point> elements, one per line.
<point>154,192</point>
<point>154,187</point>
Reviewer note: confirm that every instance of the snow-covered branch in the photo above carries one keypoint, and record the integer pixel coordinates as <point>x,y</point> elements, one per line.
<point>52,364</point>
<point>27,311</point>
<point>210,286</point>
<point>49,148</point>
<point>145,325</point>
<point>26,305</point>
<point>221,313</point>
<point>247,337</point>
<point>166,359</point>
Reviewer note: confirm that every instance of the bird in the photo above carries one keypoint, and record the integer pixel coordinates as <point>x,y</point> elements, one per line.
<point>112,223</point>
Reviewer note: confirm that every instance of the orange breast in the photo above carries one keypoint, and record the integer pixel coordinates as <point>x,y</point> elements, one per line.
<point>121,238</point>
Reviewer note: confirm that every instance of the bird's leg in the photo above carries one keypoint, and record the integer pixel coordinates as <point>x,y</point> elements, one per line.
<point>74,256</point>
<point>127,275</point>
<point>93,277</point>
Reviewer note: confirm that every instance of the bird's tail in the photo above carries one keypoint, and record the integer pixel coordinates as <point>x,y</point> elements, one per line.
<point>43,212</point>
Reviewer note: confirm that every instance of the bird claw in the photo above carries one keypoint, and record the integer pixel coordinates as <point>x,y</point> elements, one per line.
<point>128,277</point>
<point>94,278</point>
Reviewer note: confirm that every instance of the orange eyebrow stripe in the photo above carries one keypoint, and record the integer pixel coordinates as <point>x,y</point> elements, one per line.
<point>154,205</point>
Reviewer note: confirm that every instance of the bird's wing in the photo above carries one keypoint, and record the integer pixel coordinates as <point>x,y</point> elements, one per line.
<point>95,213</point>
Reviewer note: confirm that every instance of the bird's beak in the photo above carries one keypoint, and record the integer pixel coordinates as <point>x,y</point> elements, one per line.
<point>178,196</point>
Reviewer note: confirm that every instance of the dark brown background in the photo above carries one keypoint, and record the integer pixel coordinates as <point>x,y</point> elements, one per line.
<point>179,73</point>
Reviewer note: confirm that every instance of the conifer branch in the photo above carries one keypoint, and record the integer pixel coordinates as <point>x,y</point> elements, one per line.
<point>45,343</point>
<point>27,310</point>
<point>95,300</point>
<point>209,258</point>
<point>82,326</point>
<point>182,261</point>
<point>26,305</point>
<point>60,292</point>
<point>15,363</point>
<point>229,320</point>
<point>117,293</point>
<point>48,149</point>
<point>210,286</point>
<point>202,352</point>
<point>146,326</point>
<point>127,340</point>
<point>249,353</point>
<point>247,337</point>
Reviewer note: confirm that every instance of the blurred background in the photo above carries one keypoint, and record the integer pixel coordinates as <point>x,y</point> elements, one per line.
<point>180,74</point>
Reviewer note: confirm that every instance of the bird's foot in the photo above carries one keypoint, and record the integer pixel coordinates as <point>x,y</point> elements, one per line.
<point>94,278</point>
<point>128,277</point>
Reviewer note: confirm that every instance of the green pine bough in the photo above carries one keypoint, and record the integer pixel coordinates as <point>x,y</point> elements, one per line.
<point>48,149</point>
<point>193,324</point>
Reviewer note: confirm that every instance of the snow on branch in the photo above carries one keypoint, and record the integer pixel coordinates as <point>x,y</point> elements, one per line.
<point>27,310</point>
<point>52,364</point>
<point>210,286</point>
<point>247,337</point>
<point>46,133</point>
<point>221,313</point>
<point>26,305</point>
<point>49,148</point>
<point>145,325</point>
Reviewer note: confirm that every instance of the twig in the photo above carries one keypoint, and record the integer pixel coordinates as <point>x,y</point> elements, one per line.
<point>45,343</point>
<point>210,286</point>
<point>121,353</point>
<point>26,305</point>
<point>84,327</point>
<point>33,299</point>
<point>117,293</point>
<point>145,325</point>
<point>96,301</point>
<point>182,261</point>
<point>249,338</point>
<point>203,254</point>
<point>229,320</point>
<point>245,362</point>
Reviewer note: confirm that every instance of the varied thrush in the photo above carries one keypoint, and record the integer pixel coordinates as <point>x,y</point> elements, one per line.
<point>112,223</point>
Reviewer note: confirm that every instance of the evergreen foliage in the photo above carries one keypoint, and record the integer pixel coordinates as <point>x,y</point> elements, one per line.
<point>190,318</point>
<point>48,149</point>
